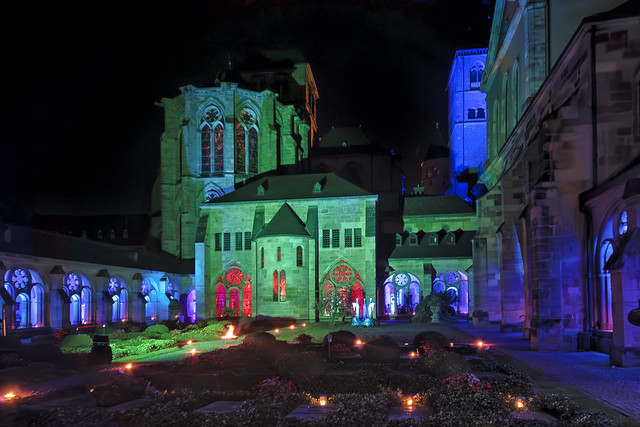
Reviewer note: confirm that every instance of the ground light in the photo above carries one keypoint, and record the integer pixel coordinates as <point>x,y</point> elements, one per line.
<point>322,400</point>
<point>9,396</point>
<point>520,404</point>
<point>128,366</point>
<point>229,335</point>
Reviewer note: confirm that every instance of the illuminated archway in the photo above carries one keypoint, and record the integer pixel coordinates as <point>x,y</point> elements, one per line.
<point>456,283</point>
<point>191,306</point>
<point>401,293</point>
<point>342,286</point>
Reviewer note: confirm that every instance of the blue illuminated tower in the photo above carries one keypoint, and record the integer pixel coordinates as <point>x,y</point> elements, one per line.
<point>467,121</point>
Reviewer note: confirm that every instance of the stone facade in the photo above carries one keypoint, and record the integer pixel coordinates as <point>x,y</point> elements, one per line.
<point>571,133</point>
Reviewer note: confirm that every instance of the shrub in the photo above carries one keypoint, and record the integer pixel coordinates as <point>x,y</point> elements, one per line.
<point>80,343</point>
<point>250,324</point>
<point>345,337</point>
<point>426,341</point>
<point>441,364</point>
<point>139,345</point>
<point>259,339</point>
<point>157,329</point>
<point>210,332</point>
<point>304,339</point>
<point>300,366</point>
<point>381,349</point>
<point>569,412</point>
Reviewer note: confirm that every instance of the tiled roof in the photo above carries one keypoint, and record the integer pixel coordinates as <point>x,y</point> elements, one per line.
<point>436,205</point>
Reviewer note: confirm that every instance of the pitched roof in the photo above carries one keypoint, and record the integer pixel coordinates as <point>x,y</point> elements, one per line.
<point>287,187</point>
<point>461,249</point>
<point>436,205</point>
<point>284,222</point>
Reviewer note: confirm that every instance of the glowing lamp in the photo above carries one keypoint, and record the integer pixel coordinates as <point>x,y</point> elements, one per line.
<point>412,354</point>
<point>520,405</point>
<point>304,324</point>
<point>479,344</point>
<point>358,342</point>
<point>292,327</point>
<point>451,344</point>
<point>406,343</point>
<point>193,351</point>
<point>277,331</point>
<point>322,400</point>
<point>409,402</point>
<point>128,366</point>
<point>9,395</point>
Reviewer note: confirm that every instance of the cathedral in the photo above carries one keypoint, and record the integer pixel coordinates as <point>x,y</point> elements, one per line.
<point>528,215</point>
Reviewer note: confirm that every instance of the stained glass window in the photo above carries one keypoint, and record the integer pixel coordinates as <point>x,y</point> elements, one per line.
<point>275,285</point>
<point>357,293</point>
<point>218,149</point>
<point>253,150</point>
<point>234,301</point>
<point>342,274</point>
<point>623,225</point>
<point>221,299</point>
<point>345,304</point>
<point>234,276</point>
<point>279,254</point>
<point>299,256</point>
<point>73,281</point>
<point>205,139</point>
<point>261,257</point>
<point>246,300</point>
<point>20,279</point>
<point>241,152</point>
<point>283,286</point>
<point>327,297</point>
<point>114,285</point>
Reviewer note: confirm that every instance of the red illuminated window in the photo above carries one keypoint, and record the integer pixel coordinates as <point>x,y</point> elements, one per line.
<point>246,300</point>
<point>205,140</point>
<point>327,298</point>
<point>261,257</point>
<point>283,286</point>
<point>218,154</point>
<point>234,301</point>
<point>357,293</point>
<point>342,274</point>
<point>221,299</point>
<point>275,285</point>
<point>234,276</point>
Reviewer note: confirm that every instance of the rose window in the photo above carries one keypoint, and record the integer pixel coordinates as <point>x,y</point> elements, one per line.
<point>73,281</point>
<point>450,278</point>
<point>342,274</point>
<point>113,285</point>
<point>247,117</point>
<point>20,278</point>
<point>234,276</point>
<point>212,114</point>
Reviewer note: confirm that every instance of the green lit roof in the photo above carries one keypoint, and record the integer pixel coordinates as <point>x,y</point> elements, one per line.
<point>287,187</point>
<point>284,222</point>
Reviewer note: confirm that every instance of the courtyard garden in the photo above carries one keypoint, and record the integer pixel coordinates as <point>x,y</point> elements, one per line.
<point>268,370</point>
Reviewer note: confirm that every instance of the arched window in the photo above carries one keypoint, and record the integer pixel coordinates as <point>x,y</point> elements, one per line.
<point>275,285</point>
<point>191,306</point>
<point>234,301</point>
<point>124,305</point>
<point>623,224</point>
<point>74,310</point>
<point>22,311</point>
<point>283,287</point>
<point>253,150</point>
<point>413,240</point>
<point>261,257</point>
<point>513,97</point>
<point>85,307</point>
<point>241,151</point>
<point>246,300</point>
<point>475,75</point>
<point>205,142</point>
<point>604,305</point>
<point>37,306</point>
<point>471,113</point>
<point>299,256</point>
<point>279,254</point>
<point>115,308</point>
<point>221,299</point>
<point>218,148</point>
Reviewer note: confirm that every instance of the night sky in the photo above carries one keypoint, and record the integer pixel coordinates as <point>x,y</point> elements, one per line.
<point>78,116</point>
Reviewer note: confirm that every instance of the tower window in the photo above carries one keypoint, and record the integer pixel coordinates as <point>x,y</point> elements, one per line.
<point>348,237</point>
<point>218,242</point>
<point>279,254</point>
<point>227,241</point>
<point>261,257</point>
<point>238,240</point>
<point>205,141</point>
<point>326,240</point>
<point>335,238</point>
<point>357,237</point>
<point>299,256</point>
<point>247,240</point>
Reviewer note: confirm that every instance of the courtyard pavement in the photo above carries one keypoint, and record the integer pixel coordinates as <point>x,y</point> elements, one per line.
<point>586,376</point>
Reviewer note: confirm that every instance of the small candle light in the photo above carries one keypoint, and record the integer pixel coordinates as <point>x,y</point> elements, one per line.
<point>406,343</point>
<point>193,351</point>
<point>9,395</point>
<point>189,342</point>
<point>358,342</point>
<point>277,331</point>
<point>304,324</point>
<point>409,401</point>
<point>479,344</point>
<point>412,354</point>
<point>451,344</point>
<point>520,403</point>
<point>292,327</point>
<point>322,399</point>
